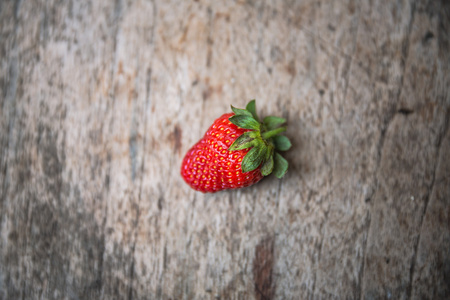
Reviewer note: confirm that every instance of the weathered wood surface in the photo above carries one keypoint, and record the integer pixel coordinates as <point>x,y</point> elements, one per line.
<point>100,100</point>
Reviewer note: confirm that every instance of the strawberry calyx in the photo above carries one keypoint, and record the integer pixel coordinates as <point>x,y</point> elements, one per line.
<point>263,139</point>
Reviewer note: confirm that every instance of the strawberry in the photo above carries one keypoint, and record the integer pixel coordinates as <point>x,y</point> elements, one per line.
<point>236,151</point>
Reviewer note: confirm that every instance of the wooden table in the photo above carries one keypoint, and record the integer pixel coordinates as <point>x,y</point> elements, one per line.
<point>101,99</point>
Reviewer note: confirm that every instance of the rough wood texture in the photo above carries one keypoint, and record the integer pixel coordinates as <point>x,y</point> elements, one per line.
<point>101,99</point>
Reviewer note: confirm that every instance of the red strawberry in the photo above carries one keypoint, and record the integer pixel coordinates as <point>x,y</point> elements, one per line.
<point>236,151</point>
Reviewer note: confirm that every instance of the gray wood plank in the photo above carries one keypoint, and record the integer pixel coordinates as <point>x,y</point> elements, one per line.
<point>100,101</point>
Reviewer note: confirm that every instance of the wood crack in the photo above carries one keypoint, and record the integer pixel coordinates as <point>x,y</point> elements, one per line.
<point>427,200</point>
<point>363,260</point>
<point>320,246</point>
<point>10,102</point>
<point>388,120</point>
<point>117,12</point>
<point>350,59</point>
<point>144,155</point>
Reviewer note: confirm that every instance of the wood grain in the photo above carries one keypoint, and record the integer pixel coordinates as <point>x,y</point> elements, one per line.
<point>101,100</point>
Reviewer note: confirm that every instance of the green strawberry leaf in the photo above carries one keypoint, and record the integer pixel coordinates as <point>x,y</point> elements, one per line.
<point>246,140</point>
<point>244,121</point>
<point>251,107</point>
<point>280,167</point>
<point>267,167</point>
<point>263,140</point>
<point>269,134</point>
<point>272,122</point>
<point>239,111</point>
<point>254,158</point>
<point>281,143</point>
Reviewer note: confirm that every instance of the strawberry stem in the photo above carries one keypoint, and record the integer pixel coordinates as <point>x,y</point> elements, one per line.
<point>268,134</point>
